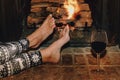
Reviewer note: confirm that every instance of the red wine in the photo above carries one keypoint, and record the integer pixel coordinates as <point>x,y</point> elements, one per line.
<point>98,46</point>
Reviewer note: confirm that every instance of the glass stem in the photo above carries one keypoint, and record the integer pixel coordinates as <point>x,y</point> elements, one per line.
<point>98,61</point>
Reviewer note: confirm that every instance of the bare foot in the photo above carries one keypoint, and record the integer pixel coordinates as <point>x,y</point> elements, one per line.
<point>37,37</point>
<point>52,53</point>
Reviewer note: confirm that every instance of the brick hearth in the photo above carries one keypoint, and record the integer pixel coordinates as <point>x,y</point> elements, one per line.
<point>75,64</point>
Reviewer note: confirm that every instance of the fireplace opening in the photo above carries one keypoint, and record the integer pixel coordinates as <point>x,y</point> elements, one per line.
<point>76,14</point>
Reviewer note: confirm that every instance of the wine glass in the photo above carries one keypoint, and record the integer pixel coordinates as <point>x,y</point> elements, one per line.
<point>99,41</point>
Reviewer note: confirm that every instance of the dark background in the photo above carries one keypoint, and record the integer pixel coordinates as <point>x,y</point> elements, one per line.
<point>13,15</point>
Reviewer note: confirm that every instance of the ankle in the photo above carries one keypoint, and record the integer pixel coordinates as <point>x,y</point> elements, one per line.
<point>50,54</point>
<point>45,55</point>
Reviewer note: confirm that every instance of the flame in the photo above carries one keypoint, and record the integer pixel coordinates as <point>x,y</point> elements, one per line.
<point>72,7</point>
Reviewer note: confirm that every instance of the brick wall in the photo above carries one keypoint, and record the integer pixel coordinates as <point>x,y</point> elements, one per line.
<point>41,8</point>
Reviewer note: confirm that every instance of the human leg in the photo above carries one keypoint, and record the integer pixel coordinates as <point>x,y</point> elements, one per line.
<point>34,58</point>
<point>52,53</point>
<point>20,62</point>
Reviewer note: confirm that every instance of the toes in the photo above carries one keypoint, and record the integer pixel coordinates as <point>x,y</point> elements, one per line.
<point>67,29</point>
<point>49,21</point>
<point>49,16</point>
<point>52,22</point>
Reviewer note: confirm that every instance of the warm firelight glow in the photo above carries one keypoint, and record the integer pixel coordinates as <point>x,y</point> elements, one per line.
<point>72,7</point>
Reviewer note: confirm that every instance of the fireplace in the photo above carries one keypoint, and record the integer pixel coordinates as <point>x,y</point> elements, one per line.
<point>76,14</point>
<point>91,14</point>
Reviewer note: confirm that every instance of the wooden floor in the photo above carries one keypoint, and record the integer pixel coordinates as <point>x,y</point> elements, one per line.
<point>75,64</point>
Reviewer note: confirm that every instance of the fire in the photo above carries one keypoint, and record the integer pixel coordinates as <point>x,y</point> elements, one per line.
<point>72,8</point>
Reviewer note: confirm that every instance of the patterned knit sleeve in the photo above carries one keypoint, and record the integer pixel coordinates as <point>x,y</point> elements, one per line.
<point>20,63</point>
<point>9,50</point>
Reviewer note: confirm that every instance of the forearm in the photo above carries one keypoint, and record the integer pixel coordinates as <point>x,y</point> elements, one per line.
<point>20,63</point>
